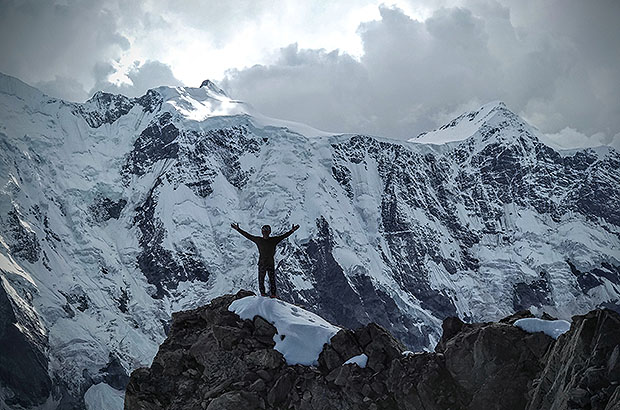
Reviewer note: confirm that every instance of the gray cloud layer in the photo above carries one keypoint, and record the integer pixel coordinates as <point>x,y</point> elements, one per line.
<point>561,69</point>
<point>68,48</point>
<point>555,62</point>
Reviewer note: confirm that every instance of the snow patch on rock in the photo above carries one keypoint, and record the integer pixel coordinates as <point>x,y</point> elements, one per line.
<point>103,397</point>
<point>301,334</point>
<point>360,360</point>
<point>553,328</point>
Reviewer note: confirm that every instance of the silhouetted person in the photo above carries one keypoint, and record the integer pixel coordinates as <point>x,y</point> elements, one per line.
<point>266,251</point>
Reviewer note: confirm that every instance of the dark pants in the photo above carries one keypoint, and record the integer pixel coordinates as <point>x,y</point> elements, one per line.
<point>270,270</point>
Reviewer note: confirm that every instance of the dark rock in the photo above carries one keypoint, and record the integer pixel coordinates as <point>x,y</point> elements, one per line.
<point>104,108</point>
<point>264,374</point>
<point>237,400</point>
<point>345,344</point>
<point>450,326</point>
<point>537,293</point>
<point>329,359</point>
<point>24,242</point>
<point>382,349</point>
<point>421,381</point>
<point>281,388</point>
<point>23,364</point>
<point>614,399</point>
<point>488,358</point>
<point>265,359</point>
<point>227,336</point>
<point>77,298</point>
<point>577,370</point>
<point>156,142</point>
<point>341,375</point>
<point>151,101</point>
<point>213,359</point>
<point>217,390</point>
<point>264,331</point>
<point>103,209</point>
<point>258,386</point>
<point>114,374</point>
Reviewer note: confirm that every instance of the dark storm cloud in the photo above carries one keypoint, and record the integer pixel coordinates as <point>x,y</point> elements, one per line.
<point>57,44</point>
<point>414,75</point>
<point>410,72</point>
<point>66,48</point>
<point>63,87</point>
<point>584,37</point>
<point>315,86</point>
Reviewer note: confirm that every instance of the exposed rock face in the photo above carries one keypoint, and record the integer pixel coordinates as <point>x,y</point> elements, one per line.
<point>23,365</point>
<point>583,367</point>
<point>214,360</point>
<point>105,108</point>
<point>103,208</point>
<point>492,359</point>
<point>24,242</point>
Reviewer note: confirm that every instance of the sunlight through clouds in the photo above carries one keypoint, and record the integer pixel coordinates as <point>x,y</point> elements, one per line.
<point>393,68</point>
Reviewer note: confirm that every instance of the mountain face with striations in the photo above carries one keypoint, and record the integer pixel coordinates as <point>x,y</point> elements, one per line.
<point>116,212</point>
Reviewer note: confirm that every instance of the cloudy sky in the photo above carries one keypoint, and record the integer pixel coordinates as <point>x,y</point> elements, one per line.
<point>394,68</point>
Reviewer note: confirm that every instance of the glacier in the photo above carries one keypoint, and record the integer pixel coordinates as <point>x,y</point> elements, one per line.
<point>116,212</point>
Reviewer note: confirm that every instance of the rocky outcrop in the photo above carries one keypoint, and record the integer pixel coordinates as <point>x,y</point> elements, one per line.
<point>212,359</point>
<point>582,369</point>
<point>492,359</point>
<point>23,242</point>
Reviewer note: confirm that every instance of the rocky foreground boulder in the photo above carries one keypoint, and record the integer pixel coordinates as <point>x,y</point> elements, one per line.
<point>213,359</point>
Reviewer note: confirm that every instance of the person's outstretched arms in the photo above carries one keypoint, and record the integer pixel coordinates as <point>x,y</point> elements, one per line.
<point>235,226</point>
<point>287,234</point>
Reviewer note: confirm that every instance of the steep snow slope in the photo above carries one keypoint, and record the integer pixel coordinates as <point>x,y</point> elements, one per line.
<point>462,127</point>
<point>116,212</point>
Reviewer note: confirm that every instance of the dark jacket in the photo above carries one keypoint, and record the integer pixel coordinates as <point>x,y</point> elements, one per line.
<point>266,246</point>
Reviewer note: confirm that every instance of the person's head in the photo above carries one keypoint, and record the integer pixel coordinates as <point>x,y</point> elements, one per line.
<point>265,230</point>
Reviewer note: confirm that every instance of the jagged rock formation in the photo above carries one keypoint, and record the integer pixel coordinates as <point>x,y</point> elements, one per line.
<point>214,360</point>
<point>582,370</point>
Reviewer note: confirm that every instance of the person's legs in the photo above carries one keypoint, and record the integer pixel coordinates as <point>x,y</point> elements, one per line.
<point>261,280</point>
<point>272,280</point>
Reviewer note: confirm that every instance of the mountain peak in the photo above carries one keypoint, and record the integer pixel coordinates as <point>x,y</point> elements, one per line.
<point>210,85</point>
<point>104,98</point>
<point>494,113</point>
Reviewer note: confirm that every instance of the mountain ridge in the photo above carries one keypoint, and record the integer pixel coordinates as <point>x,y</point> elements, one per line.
<point>115,213</point>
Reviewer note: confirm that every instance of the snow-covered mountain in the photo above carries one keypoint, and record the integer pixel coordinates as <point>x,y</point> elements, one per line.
<point>116,212</point>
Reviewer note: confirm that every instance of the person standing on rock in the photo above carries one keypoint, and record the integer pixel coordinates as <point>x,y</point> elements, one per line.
<point>266,251</point>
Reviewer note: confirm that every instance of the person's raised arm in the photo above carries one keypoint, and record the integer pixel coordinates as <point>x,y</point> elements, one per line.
<point>235,226</point>
<point>287,234</point>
